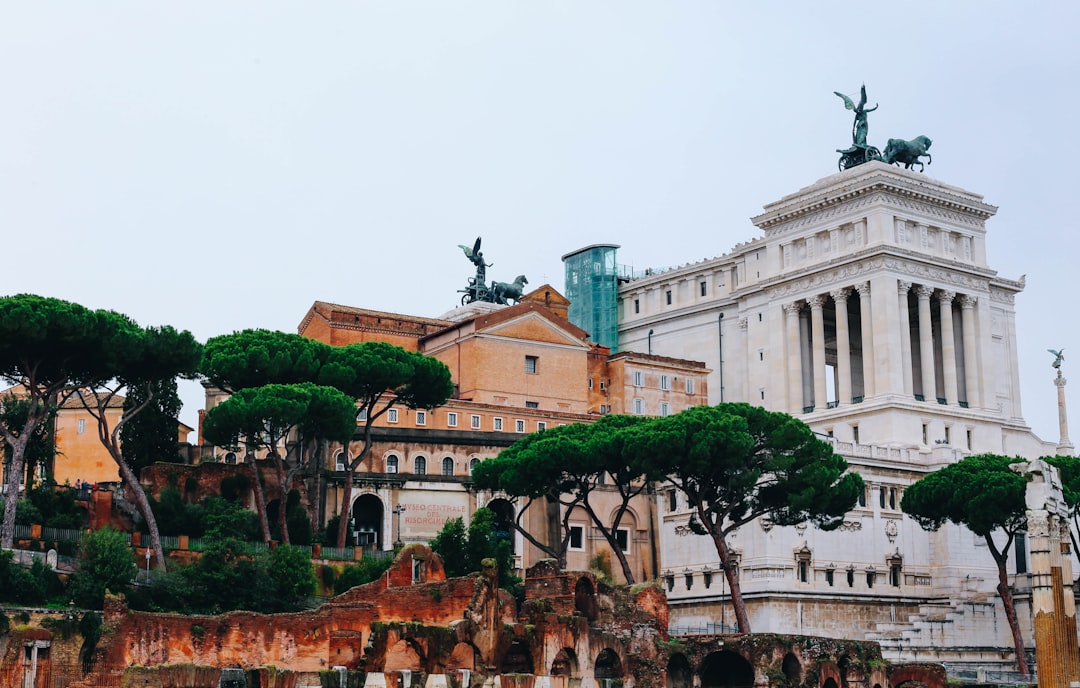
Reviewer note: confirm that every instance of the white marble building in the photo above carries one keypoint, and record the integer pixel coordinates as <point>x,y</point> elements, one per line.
<point>867,308</point>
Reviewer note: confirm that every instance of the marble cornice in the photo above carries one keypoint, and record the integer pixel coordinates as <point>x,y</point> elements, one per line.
<point>862,266</point>
<point>866,184</point>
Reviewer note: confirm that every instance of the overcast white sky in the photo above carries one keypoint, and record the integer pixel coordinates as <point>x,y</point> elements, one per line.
<point>218,166</point>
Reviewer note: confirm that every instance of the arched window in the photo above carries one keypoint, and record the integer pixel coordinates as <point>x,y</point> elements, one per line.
<point>420,465</point>
<point>391,464</point>
<point>448,466</point>
<point>340,461</point>
<point>472,465</point>
<point>230,458</point>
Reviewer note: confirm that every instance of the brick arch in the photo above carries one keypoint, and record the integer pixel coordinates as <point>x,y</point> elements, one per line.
<point>405,654</point>
<point>929,675</point>
<point>829,670</point>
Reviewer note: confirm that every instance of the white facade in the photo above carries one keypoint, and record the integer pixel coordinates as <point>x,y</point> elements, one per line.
<point>868,310</point>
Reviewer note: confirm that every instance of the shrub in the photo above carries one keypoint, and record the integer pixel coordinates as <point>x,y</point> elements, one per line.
<point>107,564</point>
<point>361,573</point>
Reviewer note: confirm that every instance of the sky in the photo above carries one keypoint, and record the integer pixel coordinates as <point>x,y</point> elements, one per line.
<point>219,166</point>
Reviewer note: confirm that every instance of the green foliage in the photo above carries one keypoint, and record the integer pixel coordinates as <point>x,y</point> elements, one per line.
<point>107,564</point>
<point>151,435</point>
<point>223,518</point>
<point>18,584</point>
<point>978,492</point>
<point>90,628</point>
<point>463,551</point>
<point>288,579</point>
<point>451,544</point>
<point>56,507</point>
<point>233,487</point>
<point>14,412</point>
<point>174,517</point>
<point>363,572</point>
<point>257,357</point>
<point>5,624</point>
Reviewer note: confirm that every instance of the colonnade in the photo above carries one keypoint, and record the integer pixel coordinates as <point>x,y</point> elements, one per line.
<point>937,365</point>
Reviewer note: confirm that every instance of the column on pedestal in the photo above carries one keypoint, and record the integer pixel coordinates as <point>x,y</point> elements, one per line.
<point>971,364</point>
<point>926,343</point>
<point>866,327</point>
<point>794,357</point>
<point>817,325</point>
<point>843,346</point>
<point>905,335</point>
<point>948,345</point>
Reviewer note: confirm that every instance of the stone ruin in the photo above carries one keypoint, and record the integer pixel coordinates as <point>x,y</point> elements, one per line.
<point>414,628</point>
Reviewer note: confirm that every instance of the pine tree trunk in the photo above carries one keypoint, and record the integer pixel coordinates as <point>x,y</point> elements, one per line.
<point>1010,614</point>
<point>343,520</point>
<point>18,452</point>
<point>144,505</point>
<point>737,603</point>
<point>260,499</point>
<point>284,489</point>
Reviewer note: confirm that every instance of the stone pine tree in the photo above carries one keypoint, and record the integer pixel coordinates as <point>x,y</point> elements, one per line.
<point>380,376</point>
<point>736,463</point>
<point>41,449</point>
<point>151,435</point>
<point>124,354</point>
<point>567,465</point>
<point>44,343</point>
<point>270,414</point>
<point>984,495</point>
<point>254,358</point>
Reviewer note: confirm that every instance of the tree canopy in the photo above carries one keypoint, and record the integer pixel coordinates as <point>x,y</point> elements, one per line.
<point>256,357</point>
<point>566,464</point>
<point>983,494</point>
<point>736,463</point>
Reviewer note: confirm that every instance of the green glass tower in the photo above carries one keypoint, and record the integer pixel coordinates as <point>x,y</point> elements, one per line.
<point>592,286</point>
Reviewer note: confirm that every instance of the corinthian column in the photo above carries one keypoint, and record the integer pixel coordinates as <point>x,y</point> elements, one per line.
<point>843,346</point>
<point>817,327</point>
<point>866,326</point>
<point>905,334</point>
<point>926,343</point>
<point>948,345</point>
<point>971,363</point>
<point>794,357</point>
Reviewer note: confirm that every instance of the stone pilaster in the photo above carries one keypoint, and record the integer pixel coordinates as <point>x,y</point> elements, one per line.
<point>866,325</point>
<point>926,343</point>
<point>794,357</point>
<point>843,346</point>
<point>817,324</point>
<point>971,356</point>
<point>905,334</point>
<point>948,345</point>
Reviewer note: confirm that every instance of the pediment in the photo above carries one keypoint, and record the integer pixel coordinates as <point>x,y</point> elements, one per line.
<point>534,326</point>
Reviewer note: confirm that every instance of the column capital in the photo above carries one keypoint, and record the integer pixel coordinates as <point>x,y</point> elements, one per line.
<point>792,308</point>
<point>924,292</point>
<point>816,302</point>
<point>840,295</point>
<point>945,296</point>
<point>967,301</point>
<point>903,287</point>
<point>864,289</point>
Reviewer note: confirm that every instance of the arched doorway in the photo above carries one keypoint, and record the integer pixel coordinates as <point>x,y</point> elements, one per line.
<point>518,659</point>
<point>504,520</point>
<point>565,663</point>
<point>585,598</point>
<point>607,665</point>
<point>792,669</point>
<point>726,670</point>
<point>367,521</point>
<point>678,672</point>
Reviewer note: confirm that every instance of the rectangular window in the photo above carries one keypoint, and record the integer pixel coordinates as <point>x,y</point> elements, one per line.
<point>577,538</point>
<point>639,407</point>
<point>519,425</point>
<point>639,378</point>
<point>665,382</point>
<point>969,440</point>
<point>665,408</point>
<point>362,415</point>
<point>602,384</point>
<point>496,423</point>
<point>622,538</point>
<point>474,422</point>
<point>829,577</point>
<point>881,497</point>
<point>590,383</point>
<point>672,501</point>
<point>689,385</point>
<point>421,417</point>
<point>1021,552</point>
<point>541,425</point>
<point>532,404</point>
<point>667,296</point>
<point>451,419</point>
<point>637,306</point>
<point>703,286</point>
<point>948,435</point>
<point>689,580</point>
<point>855,434</point>
<point>925,434</point>
<point>530,364</point>
<point>82,425</point>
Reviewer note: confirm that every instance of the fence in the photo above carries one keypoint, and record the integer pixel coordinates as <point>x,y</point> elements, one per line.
<point>706,629</point>
<point>56,675</point>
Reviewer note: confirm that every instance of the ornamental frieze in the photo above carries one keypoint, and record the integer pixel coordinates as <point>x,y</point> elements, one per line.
<point>938,274</point>
<point>844,274</point>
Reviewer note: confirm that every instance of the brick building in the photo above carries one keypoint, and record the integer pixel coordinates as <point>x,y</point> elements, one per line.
<point>516,370</point>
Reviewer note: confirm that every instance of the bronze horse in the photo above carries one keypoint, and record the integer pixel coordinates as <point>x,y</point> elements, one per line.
<point>908,153</point>
<point>508,290</point>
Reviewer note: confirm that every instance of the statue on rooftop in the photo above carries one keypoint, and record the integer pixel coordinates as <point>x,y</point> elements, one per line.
<point>478,288</point>
<point>860,152</point>
<point>1059,356</point>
